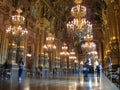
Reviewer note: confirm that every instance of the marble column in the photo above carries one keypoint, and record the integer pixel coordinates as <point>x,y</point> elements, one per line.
<point>41,52</point>
<point>11,55</point>
<point>37,50</point>
<point>20,50</point>
<point>3,47</point>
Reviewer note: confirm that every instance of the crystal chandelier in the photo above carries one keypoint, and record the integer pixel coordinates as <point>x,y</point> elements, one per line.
<point>88,46</point>
<point>50,42</point>
<point>78,12</point>
<point>64,50</point>
<point>76,24</point>
<point>64,55</point>
<point>88,38</point>
<point>16,27</point>
<point>72,55</point>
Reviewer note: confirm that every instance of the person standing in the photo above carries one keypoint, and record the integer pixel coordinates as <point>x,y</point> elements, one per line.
<point>109,63</point>
<point>5,65</point>
<point>98,69</point>
<point>21,66</point>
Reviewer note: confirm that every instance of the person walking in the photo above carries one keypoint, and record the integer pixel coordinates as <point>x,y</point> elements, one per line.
<point>21,66</point>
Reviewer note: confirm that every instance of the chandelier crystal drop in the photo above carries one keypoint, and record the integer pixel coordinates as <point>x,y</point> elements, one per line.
<point>88,37</point>
<point>70,25</point>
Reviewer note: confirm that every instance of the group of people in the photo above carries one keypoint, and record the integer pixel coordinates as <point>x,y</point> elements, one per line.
<point>7,67</point>
<point>88,68</point>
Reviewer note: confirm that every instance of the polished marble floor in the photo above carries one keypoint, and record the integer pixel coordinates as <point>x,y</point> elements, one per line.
<point>74,82</point>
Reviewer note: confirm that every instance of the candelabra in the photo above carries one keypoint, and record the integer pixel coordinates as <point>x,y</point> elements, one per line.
<point>50,47</point>
<point>72,58</point>
<point>65,54</point>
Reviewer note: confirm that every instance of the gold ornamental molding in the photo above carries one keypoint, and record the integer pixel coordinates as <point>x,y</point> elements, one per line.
<point>2,8</point>
<point>5,6</point>
<point>53,11</point>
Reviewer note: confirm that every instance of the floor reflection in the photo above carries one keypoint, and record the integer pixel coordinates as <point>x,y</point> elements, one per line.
<point>63,83</point>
